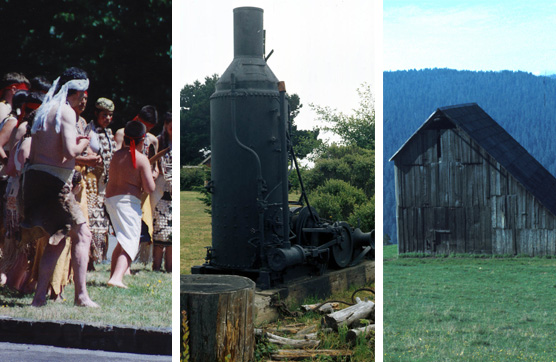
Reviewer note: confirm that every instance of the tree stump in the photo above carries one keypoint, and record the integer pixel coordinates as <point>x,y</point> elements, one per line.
<point>220,314</point>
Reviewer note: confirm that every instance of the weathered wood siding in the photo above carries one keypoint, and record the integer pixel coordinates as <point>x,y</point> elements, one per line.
<point>453,197</point>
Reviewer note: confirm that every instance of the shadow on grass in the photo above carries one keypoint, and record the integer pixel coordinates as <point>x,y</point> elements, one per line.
<point>13,304</point>
<point>10,302</point>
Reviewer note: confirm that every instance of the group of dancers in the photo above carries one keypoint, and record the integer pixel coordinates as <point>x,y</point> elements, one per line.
<point>67,184</point>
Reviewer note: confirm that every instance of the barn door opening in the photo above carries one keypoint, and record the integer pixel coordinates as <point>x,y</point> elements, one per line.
<point>442,242</point>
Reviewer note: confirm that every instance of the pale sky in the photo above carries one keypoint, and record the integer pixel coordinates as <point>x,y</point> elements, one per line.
<point>470,35</point>
<point>323,50</point>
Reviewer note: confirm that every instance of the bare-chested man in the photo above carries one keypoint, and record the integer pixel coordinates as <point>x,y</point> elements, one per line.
<point>129,176</point>
<point>148,116</point>
<point>47,197</point>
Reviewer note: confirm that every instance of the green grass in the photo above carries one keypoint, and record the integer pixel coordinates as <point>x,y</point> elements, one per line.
<point>195,231</point>
<point>195,234</point>
<point>469,308</point>
<point>147,302</point>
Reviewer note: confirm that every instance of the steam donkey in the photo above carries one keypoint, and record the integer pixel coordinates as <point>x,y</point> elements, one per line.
<point>255,232</point>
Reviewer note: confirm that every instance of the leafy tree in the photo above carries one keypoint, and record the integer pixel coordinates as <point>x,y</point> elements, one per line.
<point>351,164</point>
<point>363,216</point>
<point>304,141</point>
<point>192,178</point>
<point>338,200</point>
<point>124,45</point>
<point>341,183</point>
<point>357,129</point>
<point>195,119</point>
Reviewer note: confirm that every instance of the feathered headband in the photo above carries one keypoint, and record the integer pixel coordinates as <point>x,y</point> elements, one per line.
<point>50,99</point>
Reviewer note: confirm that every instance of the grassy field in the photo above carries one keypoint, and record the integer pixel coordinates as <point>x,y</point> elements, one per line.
<point>469,308</point>
<point>195,231</point>
<point>147,302</point>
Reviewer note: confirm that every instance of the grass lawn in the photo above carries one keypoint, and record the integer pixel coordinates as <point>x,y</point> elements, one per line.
<point>195,231</point>
<point>147,302</point>
<point>469,308</point>
<point>195,235</point>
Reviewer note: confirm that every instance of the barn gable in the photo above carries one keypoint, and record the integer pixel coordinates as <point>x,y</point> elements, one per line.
<point>463,184</point>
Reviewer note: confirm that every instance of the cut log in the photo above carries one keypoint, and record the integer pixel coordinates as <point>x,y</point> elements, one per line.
<point>310,336</point>
<point>220,312</point>
<point>294,343</point>
<point>307,330</point>
<point>324,309</point>
<point>289,354</point>
<point>293,329</point>
<point>349,315</point>
<point>352,334</point>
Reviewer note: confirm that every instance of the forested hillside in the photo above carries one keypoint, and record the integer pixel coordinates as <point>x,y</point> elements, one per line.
<point>522,103</point>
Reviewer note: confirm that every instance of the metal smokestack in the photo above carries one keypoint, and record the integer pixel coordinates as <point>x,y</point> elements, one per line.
<point>248,32</point>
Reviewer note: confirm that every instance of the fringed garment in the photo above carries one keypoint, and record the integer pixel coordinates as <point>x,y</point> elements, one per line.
<point>13,245</point>
<point>162,234</point>
<point>96,179</point>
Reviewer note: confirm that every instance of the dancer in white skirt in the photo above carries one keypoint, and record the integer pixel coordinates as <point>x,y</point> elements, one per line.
<point>129,176</point>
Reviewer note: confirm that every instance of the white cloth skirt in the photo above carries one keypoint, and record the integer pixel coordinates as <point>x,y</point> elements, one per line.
<point>125,215</point>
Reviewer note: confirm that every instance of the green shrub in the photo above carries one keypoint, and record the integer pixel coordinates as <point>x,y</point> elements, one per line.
<point>363,216</point>
<point>351,164</point>
<point>192,177</point>
<point>337,200</point>
<point>206,198</point>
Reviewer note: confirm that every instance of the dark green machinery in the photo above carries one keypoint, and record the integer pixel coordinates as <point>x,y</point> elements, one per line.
<point>254,231</point>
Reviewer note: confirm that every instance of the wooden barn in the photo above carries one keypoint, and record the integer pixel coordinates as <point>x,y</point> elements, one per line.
<point>464,185</point>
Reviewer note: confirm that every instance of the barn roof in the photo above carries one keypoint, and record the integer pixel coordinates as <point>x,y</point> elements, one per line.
<point>501,146</point>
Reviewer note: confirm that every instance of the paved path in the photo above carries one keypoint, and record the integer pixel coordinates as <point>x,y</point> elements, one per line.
<point>12,352</point>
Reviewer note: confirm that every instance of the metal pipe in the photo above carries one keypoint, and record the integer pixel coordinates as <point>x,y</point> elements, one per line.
<point>284,164</point>
<point>233,94</point>
<point>303,194</point>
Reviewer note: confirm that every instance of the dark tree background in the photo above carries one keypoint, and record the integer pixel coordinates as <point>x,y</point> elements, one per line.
<point>124,45</point>
<point>195,119</point>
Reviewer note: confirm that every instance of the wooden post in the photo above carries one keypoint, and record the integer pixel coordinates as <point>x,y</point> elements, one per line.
<point>220,314</point>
